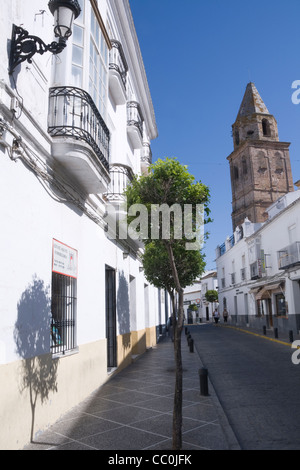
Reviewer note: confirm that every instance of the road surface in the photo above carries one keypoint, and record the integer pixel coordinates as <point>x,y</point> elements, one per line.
<point>257,384</point>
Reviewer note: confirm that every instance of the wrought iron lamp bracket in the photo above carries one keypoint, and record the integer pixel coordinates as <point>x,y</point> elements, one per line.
<point>24,46</point>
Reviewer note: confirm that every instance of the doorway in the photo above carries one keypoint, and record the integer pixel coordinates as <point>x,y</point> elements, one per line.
<point>235,308</point>
<point>111,324</point>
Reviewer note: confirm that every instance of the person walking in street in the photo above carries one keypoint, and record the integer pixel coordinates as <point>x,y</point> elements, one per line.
<point>216,315</point>
<point>225,315</point>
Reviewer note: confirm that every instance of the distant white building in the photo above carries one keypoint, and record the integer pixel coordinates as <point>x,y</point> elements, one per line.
<point>259,269</point>
<point>195,295</point>
<point>74,129</point>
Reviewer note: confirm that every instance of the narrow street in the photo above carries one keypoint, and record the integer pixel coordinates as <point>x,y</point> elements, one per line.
<point>257,384</point>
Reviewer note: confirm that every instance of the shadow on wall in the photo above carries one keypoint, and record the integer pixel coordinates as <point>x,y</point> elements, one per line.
<point>123,311</point>
<point>32,338</point>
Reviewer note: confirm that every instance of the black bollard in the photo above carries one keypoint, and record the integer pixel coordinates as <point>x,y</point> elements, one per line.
<point>203,381</point>
<point>186,330</point>
<point>264,330</point>
<point>291,337</point>
<point>276,332</point>
<point>191,344</point>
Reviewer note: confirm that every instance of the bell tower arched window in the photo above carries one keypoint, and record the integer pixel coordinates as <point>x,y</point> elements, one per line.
<point>266,128</point>
<point>235,172</point>
<point>237,137</point>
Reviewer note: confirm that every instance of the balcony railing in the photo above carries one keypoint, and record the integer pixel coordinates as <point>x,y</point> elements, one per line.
<point>120,177</point>
<point>147,154</point>
<point>117,60</point>
<point>72,113</point>
<point>222,249</point>
<point>289,256</point>
<point>231,241</point>
<point>134,116</point>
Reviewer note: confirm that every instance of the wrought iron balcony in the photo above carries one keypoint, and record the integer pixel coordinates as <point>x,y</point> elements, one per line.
<point>135,123</point>
<point>75,119</point>
<point>146,157</point>
<point>120,177</point>
<point>222,249</point>
<point>118,70</point>
<point>289,256</point>
<point>147,153</point>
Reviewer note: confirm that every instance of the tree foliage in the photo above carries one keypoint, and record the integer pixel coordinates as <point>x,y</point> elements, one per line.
<point>211,295</point>
<point>158,270</point>
<point>193,307</point>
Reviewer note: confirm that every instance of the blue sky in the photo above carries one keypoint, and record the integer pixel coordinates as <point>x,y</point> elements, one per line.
<point>199,56</point>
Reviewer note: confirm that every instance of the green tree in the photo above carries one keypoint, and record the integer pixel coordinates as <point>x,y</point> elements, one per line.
<point>193,307</point>
<point>211,295</point>
<point>158,270</point>
<point>169,260</point>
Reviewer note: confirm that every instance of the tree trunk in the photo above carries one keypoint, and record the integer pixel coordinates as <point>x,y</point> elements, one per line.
<point>178,323</point>
<point>177,410</point>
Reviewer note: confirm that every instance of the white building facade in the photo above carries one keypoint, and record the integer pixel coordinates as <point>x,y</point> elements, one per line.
<point>74,128</point>
<point>195,295</point>
<point>259,269</point>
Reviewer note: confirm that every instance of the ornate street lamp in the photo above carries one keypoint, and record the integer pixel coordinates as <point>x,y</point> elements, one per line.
<point>24,45</point>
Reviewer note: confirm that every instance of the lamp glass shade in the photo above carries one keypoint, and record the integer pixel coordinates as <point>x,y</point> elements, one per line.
<point>63,17</point>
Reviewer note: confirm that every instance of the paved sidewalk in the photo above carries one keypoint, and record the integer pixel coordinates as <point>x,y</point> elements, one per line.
<point>133,410</point>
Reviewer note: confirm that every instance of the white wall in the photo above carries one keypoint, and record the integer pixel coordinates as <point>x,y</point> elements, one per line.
<point>33,213</point>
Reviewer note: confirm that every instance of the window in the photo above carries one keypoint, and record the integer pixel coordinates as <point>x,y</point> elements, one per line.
<point>237,137</point>
<point>63,298</point>
<point>280,305</point>
<point>266,128</point>
<point>63,310</point>
<point>78,49</point>
<point>77,56</point>
<point>292,233</point>
<point>235,172</point>
<point>90,45</point>
<point>98,67</point>
<point>254,270</point>
<point>233,272</point>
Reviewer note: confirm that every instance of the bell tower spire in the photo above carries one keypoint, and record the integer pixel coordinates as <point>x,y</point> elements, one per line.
<point>260,166</point>
<point>254,122</point>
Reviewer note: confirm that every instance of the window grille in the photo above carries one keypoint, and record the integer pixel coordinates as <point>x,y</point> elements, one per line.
<point>63,309</point>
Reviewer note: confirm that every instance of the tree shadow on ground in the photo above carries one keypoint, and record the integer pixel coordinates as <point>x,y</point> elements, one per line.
<point>32,338</point>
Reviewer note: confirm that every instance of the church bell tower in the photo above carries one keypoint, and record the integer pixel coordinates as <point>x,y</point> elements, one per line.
<point>260,166</point>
